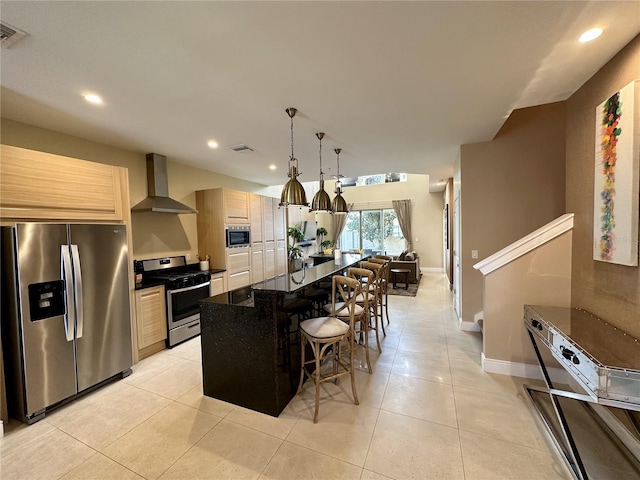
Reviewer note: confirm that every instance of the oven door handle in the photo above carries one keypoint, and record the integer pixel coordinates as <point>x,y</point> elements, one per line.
<point>186,289</point>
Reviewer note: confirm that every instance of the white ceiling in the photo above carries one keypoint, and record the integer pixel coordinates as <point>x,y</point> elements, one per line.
<point>397,85</point>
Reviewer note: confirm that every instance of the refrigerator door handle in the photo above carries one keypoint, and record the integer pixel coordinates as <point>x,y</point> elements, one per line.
<point>77,283</point>
<point>69,317</point>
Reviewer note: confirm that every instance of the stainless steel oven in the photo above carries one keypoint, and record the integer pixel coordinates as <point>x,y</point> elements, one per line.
<point>185,286</point>
<point>183,311</point>
<point>238,236</point>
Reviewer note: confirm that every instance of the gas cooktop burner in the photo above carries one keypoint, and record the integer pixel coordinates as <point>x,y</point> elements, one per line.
<point>176,275</point>
<point>174,272</point>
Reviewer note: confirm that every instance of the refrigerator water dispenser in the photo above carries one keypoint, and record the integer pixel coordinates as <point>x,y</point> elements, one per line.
<point>46,300</point>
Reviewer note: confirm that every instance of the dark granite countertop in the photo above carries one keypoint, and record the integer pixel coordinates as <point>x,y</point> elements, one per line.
<point>151,282</point>
<point>291,282</point>
<point>148,283</point>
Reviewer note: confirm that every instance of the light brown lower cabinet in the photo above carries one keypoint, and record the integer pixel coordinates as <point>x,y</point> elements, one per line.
<point>281,257</point>
<point>238,267</point>
<point>257,263</point>
<point>240,279</point>
<point>151,320</point>
<point>217,285</point>
<point>269,259</point>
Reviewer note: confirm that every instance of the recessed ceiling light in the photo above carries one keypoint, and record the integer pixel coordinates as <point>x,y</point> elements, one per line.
<point>272,167</point>
<point>93,98</point>
<point>212,144</point>
<point>590,35</point>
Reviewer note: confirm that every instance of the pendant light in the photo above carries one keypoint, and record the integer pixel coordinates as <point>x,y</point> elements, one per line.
<point>293,193</point>
<point>338,205</point>
<point>321,201</point>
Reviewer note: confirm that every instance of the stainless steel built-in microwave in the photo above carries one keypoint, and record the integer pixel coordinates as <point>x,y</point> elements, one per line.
<point>238,236</point>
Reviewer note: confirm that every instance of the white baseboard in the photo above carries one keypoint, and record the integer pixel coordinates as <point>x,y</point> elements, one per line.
<point>467,326</point>
<point>523,370</point>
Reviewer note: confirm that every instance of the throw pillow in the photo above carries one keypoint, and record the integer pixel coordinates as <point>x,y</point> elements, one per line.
<point>409,257</point>
<point>402,255</point>
<point>415,254</point>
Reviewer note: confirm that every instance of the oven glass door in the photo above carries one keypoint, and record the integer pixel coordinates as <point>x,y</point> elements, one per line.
<point>237,238</point>
<point>183,306</point>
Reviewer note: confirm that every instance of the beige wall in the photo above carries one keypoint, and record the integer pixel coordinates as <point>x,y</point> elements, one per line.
<point>510,187</point>
<point>540,277</point>
<point>607,290</point>
<point>154,235</point>
<point>426,212</point>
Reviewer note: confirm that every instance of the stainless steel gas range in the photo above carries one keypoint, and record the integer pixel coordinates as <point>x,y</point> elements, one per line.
<point>185,286</point>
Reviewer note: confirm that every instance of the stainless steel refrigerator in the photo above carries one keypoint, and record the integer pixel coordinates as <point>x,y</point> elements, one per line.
<point>66,323</point>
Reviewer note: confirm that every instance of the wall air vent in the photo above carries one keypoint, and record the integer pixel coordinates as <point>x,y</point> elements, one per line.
<point>240,148</point>
<point>9,34</point>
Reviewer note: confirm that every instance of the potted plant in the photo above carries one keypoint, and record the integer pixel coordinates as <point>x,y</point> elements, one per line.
<point>296,258</point>
<point>325,245</point>
<point>294,252</point>
<point>295,233</point>
<point>321,232</point>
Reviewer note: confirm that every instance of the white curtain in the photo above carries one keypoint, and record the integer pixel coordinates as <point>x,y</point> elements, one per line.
<point>403,213</point>
<point>337,224</point>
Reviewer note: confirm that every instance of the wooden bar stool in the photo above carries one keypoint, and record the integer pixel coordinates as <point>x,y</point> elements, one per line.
<point>301,307</point>
<point>385,281</point>
<point>318,296</point>
<point>363,321</point>
<point>375,287</point>
<point>361,317</point>
<point>327,333</point>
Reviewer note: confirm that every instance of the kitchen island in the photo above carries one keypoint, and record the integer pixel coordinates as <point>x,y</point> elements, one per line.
<point>251,349</point>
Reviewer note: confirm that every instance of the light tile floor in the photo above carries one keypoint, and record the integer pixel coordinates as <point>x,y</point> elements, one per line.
<point>427,411</point>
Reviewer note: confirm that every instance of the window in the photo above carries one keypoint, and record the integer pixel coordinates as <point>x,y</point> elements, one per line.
<point>374,179</point>
<point>374,231</point>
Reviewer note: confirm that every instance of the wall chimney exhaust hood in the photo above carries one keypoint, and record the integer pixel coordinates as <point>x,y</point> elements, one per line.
<point>158,189</point>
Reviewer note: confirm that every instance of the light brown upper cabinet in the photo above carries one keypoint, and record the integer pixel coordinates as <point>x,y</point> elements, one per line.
<point>279,223</point>
<point>38,185</point>
<point>255,211</point>
<point>268,219</point>
<point>236,207</point>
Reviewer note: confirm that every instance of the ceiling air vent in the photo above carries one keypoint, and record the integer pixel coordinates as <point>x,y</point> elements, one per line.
<point>240,148</point>
<point>9,35</point>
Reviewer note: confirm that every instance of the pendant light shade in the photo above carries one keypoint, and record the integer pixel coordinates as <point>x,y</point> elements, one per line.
<point>321,201</point>
<point>339,205</point>
<point>293,193</point>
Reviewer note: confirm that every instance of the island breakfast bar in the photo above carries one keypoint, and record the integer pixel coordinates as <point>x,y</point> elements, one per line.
<point>251,348</point>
